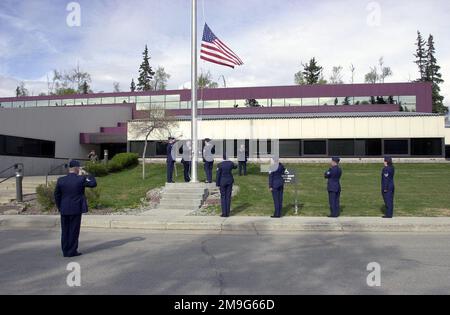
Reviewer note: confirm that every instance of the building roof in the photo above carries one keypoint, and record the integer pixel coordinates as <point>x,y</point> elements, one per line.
<point>312,115</point>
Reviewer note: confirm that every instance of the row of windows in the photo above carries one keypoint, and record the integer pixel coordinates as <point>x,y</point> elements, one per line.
<point>326,148</point>
<point>408,103</point>
<point>16,146</point>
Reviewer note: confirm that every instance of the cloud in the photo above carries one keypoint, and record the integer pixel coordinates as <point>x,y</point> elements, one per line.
<point>272,37</point>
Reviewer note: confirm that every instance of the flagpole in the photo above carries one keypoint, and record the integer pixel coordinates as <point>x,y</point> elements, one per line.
<point>194,135</point>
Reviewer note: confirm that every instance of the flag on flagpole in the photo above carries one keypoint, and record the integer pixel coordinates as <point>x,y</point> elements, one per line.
<point>215,51</point>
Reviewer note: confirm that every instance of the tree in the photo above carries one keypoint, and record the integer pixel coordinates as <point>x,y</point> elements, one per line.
<point>205,81</point>
<point>160,80</point>
<point>133,86</point>
<point>372,76</point>
<point>385,71</point>
<point>146,73</point>
<point>434,76</point>
<point>251,102</point>
<point>378,75</point>
<point>85,88</point>
<point>69,82</point>
<point>421,57</point>
<point>157,122</point>
<point>352,70</point>
<point>116,87</point>
<point>21,90</point>
<point>312,72</point>
<point>336,75</point>
<point>299,78</point>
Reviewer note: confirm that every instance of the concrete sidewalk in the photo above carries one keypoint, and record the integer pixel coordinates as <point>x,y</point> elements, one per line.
<point>241,224</point>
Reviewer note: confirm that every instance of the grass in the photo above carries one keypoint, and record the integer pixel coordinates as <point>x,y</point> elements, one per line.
<point>126,189</point>
<point>421,190</point>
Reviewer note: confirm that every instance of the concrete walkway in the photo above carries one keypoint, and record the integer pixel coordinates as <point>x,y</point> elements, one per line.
<point>249,224</point>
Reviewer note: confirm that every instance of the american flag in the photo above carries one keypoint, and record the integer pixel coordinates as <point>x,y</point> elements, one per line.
<point>215,51</point>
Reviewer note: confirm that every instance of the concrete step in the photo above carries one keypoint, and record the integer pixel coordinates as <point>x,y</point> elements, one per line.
<point>174,190</point>
<point>167,213</point>
<point>177,207</point>
<point>182,196</point>
<point>177,204</point>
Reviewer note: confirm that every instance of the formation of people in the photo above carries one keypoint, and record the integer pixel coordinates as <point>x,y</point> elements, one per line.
<point>276,181</point>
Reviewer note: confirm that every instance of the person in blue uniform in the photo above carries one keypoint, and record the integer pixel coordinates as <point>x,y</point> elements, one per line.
<point>186,160</point>
<point>276,185</point>
<point>225,180</point>
<point>71,203</point>
<point>242,159</point>
<point>388,187</point>
<point>208,159</point>
<point>170,160</point>
<point>334,175</point>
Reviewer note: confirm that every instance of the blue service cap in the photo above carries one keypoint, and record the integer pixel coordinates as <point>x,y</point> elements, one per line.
<point>74,163</point>
<point>336,159</point>
<point>388,159</point>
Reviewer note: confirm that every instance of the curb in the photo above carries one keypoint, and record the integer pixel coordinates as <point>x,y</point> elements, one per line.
<point>237,224</point>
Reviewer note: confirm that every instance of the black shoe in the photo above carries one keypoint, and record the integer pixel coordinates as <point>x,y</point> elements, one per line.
<point>74,255</point>
<point>275,217</point>
<point>386,217</point>
<point>332,217</point>
<point>224,216</point>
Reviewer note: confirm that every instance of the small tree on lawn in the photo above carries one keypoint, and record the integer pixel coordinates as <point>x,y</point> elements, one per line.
<point>157,122</point>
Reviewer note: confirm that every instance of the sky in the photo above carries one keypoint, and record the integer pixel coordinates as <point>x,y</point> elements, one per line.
<point>272,37</point>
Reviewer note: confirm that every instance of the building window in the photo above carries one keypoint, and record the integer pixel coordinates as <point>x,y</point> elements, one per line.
<point>430,147</point>
<point>341,147</point>
<point>16,146</point>
<point>315,147</point>
<point>310,101</point>
<point>369,147</point>
<point>227,103</point>
<point>293,102</point>
<point>396,147</point>
<point>290,148</point>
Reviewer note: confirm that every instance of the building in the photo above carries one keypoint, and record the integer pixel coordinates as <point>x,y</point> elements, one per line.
<point>354,121</point>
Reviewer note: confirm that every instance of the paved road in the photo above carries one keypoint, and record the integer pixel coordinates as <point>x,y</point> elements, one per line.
<point>169,263</point>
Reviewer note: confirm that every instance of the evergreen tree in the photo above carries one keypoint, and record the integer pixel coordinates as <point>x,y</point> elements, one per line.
<point>421,57</point>
<point>146,73</point>
<point>434,76</point>
<point>312,72</point>
<point>133,86</point>
<point>85,88</point>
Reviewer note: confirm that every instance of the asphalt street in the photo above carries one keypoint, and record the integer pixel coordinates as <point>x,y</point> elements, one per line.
<point>130,262</point>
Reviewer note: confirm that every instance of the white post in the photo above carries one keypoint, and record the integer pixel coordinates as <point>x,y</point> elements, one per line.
<point>194,135</point>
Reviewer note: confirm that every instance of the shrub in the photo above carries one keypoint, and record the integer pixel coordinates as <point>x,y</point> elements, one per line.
<point>114,166</point>
<point>46,197</point>
<point>126,160</point>
<point>96,169</point>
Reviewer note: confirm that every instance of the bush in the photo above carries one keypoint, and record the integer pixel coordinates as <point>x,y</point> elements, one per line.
<point>114,166</point>
<point>46,196</point>
<point>126,160</point>
<point>96,169</point>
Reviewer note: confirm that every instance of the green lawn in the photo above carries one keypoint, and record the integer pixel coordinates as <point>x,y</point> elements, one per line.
<point>421,190</point>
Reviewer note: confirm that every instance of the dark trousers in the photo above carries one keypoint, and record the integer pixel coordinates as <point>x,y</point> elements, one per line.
<point>225,199</point>
<point>70,232</point>
<point>170,167</point>
<point>389,203</point>
<point>335,204</point>
<point>187,171</point>
<point>277,195</point>
<point>243,168</point>
<point>209,171</point>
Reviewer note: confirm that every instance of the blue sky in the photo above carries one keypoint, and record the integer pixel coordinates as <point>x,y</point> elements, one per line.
<point>272,37</point>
